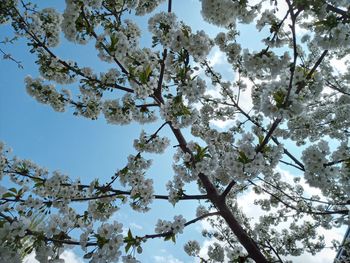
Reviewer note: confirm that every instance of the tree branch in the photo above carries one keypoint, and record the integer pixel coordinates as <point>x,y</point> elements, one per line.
<point>337,10</point>
<point>235,104</point>
<point>186,224</point>
<point>62,62</point>
<point>228,189</point>
<point>312,71</point>
<point>104,189</point>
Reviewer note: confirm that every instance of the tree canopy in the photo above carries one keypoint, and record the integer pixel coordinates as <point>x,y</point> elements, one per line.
<point>287,107</point>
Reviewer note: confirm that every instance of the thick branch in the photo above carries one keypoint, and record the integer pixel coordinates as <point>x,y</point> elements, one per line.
<point>228,188</point>
<point>337,10</point>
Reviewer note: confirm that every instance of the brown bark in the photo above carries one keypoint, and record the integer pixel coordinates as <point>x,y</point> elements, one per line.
<point>220,203</point>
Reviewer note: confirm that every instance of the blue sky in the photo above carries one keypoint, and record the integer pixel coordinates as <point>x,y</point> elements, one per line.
<point>94,149</point>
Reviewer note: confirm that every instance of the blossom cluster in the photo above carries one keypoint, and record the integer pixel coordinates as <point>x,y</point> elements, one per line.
<point>192,248</point>
<point>198,45</point>
<point>116,44</point>
<point>325,118</point>
<point>130,259</point>
<point>117,113</point>
<point>51,68</point>
<point>55,193</point>
<point>216,252</point>
<point>193,89</point>
<point>265,65</point>
<point>45,24</point>
<point>329,31</point>
<point>180,115</point>
<point>112,237</point>
<point>47,94</point>
<point>225,13</point>
<point>321,175</point>
<point>167,31</point>
<point>89,103</point>
<point>73,23</point>
<point>152,144</point>
<point>177,226</point>
<point>231,49</point>
<point>145,6</point>
<point>174,189</point>
<point>141,188</point>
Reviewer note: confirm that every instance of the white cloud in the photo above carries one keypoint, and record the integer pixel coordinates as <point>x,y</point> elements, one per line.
<point>245,98</point>
<point>30,258</point>
<point>203,253</point>
<point>68,256</point>
<point>340,65</point>
<point>222,124</point>
<point>166,259</point>
<point>71,257</point>
<point>217,58</point>
<point>134,225</point>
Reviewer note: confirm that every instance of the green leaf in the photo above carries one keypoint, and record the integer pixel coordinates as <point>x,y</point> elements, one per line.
<point>177,99</point>
<point>148,71</point>
<point>88,255</point>
<point>28,250</point>
<point>347,164</point>
<point>261,139</point>
<point>14,190</point>
<point>330,22</point>
<point>185,32</point>
<point>144,75</point>
<point>137,196</point>
<point>243,158</point>
<point>279,97</point>
<point>127,247</point>
<point>201,153</point>
<point>120,197</point>
<point>267,149</point>
<point>23,168</point>
<point>186,111</point>
<point>20,192</point>
<point>124,171</point>
<point>274,27</point>
<point>38,184</point>
<point>101,241</point>
<point>29,214</point>
<point>130,234</point>
<point>114,42</point>
<point>168,237</point>
<point>8,194</point>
